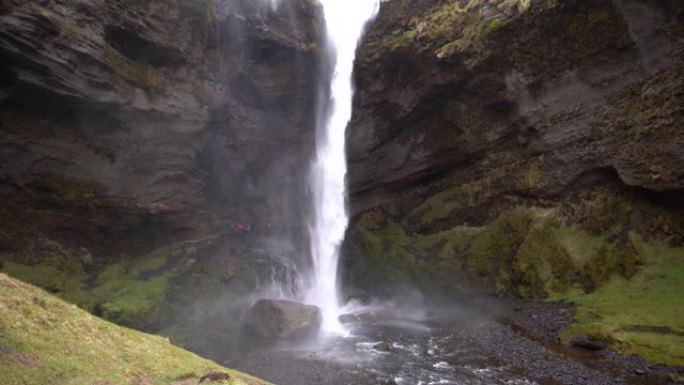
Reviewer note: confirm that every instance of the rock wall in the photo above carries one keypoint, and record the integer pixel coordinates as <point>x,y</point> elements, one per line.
<point>467,112</point>
<point>178,113</point>
<point>527,148</point>
<point>135,134</point>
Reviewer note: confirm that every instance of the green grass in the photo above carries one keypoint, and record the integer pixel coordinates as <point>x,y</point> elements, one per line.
<point>44,340</point>
<point>643,315</point>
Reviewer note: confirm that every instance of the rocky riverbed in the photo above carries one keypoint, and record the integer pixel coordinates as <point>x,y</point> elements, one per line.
<point>487,342</point>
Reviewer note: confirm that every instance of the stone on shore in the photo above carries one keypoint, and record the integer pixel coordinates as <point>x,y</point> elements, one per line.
<point>276,319</point>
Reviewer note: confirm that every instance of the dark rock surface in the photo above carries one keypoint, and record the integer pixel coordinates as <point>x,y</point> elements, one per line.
<point>527,149</point>
<point>556,91</point>
<point>277,319</point>
<point>382,346</point>
<point>135,134</point>
<point>370,316</point>
<point>469,114</point>
<point>583,341</point>
<point>159,117</point>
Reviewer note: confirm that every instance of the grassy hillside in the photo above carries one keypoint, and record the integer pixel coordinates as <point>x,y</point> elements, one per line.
<point>44,340</point>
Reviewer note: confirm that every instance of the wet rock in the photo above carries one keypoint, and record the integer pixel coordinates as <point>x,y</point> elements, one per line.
<point>344,318</point>
<point>153,121</point>
<point>382,347</point>
<point>366,317</point>
<point>136,122</point>
<point>275,319</point>
<point>584,341</point>
<point>357,295</point>
<point>386,381</point>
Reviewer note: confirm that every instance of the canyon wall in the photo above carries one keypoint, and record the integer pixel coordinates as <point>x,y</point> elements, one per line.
<point>137,134</point>
<point>469,116</point>
<point>525,148</point>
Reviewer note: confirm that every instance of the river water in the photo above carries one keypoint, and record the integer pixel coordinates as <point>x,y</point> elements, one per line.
<point>439,346</point>
<point>485,341</point>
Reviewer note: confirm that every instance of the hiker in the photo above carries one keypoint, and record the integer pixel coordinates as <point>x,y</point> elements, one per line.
<point>239,228</point>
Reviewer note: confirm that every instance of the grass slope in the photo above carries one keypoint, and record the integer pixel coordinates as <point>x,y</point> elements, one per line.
<point>44,340</point>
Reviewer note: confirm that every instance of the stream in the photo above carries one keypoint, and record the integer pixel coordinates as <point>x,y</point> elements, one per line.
<point>494,342</point>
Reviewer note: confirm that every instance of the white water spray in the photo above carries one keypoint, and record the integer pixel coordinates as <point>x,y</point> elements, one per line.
<point>345,20</point>
<point>274,4</point>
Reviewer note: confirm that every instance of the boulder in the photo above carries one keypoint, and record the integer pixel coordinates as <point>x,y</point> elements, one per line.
<point>584,341</point>
<point>386,381</point>
<point>344,318</point>
<point>382,346</point>
<point>366,317</point>
<point>275,319</point>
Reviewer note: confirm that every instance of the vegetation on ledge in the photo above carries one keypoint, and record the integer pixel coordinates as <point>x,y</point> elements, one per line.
<point>44,340</point>
<point>612,256</point>
<point>452,26</point>
<point>129,292</point>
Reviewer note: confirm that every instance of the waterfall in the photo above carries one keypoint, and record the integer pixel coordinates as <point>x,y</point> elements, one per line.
<point>274,4</point>
<point>345,20</point>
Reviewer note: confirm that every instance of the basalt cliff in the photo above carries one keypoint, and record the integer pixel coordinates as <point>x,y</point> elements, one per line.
<point>137,135</point>
<point>525,148</point>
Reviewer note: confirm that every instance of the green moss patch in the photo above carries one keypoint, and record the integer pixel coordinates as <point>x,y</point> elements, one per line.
<point>44,340</point>
<point>129,292</point>
<point>51,276</point>
<point>627,290</point>
<point>642,315</point>
<point>389,257</point>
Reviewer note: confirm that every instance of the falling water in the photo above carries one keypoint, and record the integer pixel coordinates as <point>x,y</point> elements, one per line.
<point>345,21</point>
<point>274,4</point>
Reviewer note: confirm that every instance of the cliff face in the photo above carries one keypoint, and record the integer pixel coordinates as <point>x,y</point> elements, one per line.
<point>567,89</point>
<point>525,148</point>
<point>150,112</point>
<point>135,133</point>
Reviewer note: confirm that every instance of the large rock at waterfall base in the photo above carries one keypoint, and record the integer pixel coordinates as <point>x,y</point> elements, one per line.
<point>270,318</point>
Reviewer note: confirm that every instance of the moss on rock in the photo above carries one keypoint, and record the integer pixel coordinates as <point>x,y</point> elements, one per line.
<point>642,314</point>
<point>129,292</point>
<point>594,249</point>
<point>50,274</point>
